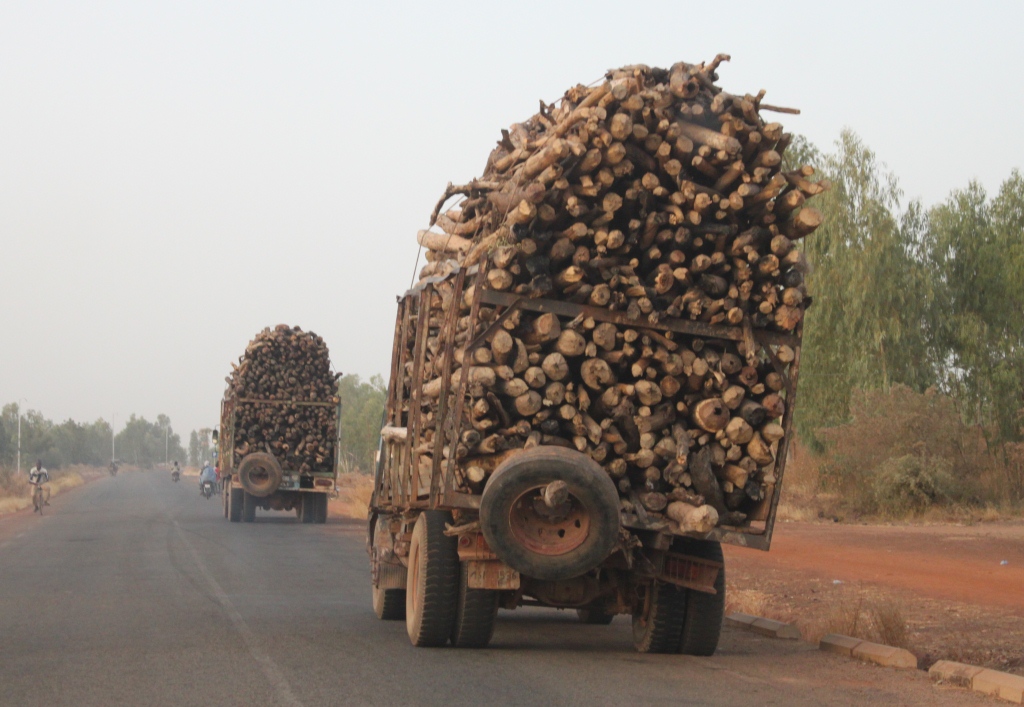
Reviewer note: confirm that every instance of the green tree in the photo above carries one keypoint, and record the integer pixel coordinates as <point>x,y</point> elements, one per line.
<point>143,442</point>
<point>362,405</point>
<point>867,328</point>
<point>194,452</point>
<point>975,249</point>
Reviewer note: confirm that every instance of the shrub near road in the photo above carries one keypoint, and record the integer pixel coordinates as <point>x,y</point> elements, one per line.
<point>903,452</point>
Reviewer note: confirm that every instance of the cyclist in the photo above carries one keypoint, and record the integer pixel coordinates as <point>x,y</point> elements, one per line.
<point>40,478</point>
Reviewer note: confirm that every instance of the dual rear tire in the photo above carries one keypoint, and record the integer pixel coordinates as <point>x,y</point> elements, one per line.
<point>313,508</point>
<point>438,604</point>
<point>234,500</point>
<point>673,619</point>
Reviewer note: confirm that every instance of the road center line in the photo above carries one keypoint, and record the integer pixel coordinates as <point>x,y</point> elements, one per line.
<point>266,663</point>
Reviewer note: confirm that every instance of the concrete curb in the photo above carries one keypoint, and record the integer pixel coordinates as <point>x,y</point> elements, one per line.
<point>988,682</point>
<point>766,627</point>
<point>878,653</point>
<point>994,683</point>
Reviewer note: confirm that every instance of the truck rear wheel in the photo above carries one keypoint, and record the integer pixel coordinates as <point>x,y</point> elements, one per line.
<point>308,508</point>
<point>475,613</point>
<point>321,508</point>
<point>389,604</point>
<point>658,618</point>
<point>235,500</point>
<point>702,624</point>
<point>432,585</point>
<point>551,543</point>
<point>248,507</point>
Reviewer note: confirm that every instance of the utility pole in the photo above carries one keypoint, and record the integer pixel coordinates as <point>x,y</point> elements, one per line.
<point>20,400</point>
<point>166,428</point>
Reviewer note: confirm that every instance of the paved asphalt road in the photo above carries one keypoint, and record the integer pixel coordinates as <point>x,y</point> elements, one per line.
<point>134,590</point>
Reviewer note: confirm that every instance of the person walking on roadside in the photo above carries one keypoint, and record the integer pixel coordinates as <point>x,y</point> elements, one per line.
<point>38,476</point>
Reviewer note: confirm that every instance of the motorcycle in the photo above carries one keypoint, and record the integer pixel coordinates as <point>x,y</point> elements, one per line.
<point>175,475</point>
<point>207,489</point>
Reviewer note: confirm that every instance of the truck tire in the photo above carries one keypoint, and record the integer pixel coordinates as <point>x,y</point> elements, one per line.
<point>594,617</point>
<point>248,507</point>
<point>702,624</point>
<point>475,613</point>
<point>321,508</point>
<point>259,474</point>
<point>658,618</point>
<point>236,497</point>
<point>550,544</point>
<point>432,586</point>
<point>388,604</point>
<point>308,508</point>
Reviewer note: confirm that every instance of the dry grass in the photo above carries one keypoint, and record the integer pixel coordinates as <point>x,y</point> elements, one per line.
<point>864,613</point>
<point>889,623</point>
<point>871,618</point>
<point>354,491</point>
<point>802,498</point>
<point>16,494</point>
<point>747,601</point>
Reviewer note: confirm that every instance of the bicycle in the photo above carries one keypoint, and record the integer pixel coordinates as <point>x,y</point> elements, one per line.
<point>37,498</point>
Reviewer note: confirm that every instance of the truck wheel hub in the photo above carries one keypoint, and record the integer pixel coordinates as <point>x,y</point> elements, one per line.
<point>548,531</point>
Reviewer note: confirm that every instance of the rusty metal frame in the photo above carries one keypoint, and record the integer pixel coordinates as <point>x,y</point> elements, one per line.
<point>449,329</point>
<point>228,410</point>
<point>307,403</point>
<point>443,494</point>
<point>448,495</point>
<point>384,483</point>
<point>409,497</point>
<point>681,326</point>
<point>787,426</point>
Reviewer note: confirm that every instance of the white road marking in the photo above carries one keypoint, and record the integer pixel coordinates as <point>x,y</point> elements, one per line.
<point>266,663</point>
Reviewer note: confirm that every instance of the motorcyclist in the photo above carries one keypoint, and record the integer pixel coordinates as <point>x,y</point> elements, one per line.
<point>207,474</point>
<point>37,475</point>
<point>175,470</point>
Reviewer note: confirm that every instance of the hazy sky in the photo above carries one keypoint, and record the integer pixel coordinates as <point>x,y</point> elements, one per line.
<point>174,176</point>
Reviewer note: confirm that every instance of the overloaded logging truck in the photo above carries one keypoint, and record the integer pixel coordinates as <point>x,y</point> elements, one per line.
<point>279,435</point>
<point>592,384</point>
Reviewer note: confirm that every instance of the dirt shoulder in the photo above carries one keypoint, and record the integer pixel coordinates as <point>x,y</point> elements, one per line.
<point>946,584</point>
<point>20,497</point>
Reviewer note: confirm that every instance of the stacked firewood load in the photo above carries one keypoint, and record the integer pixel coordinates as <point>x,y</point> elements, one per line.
<point>285,364</point>
<point>656,195</point>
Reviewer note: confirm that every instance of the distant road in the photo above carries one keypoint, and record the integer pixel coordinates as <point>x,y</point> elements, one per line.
<point>135,591</point>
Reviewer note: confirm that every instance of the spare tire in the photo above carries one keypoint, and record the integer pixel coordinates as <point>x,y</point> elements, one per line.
<point>547,543</point>
<point>259,474</point>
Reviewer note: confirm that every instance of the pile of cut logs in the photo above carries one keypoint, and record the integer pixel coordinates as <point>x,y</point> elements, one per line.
<point>657,196</point>
<point>281,369</point>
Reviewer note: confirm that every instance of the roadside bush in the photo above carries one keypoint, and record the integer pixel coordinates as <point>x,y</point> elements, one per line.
<point>911,484</point>
<point>903,452</point>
